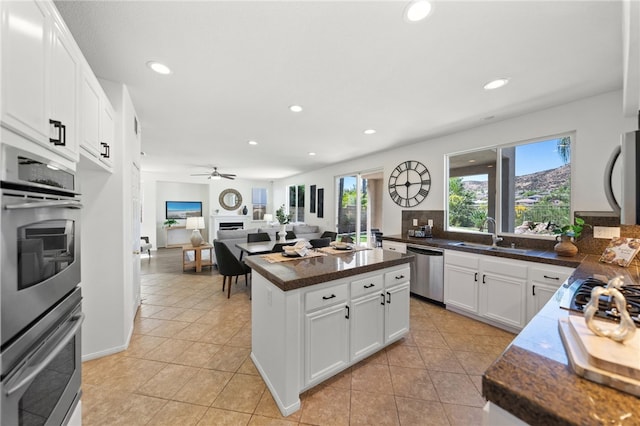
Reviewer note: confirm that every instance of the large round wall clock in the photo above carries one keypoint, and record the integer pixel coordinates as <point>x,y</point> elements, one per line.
<point>409,183</point>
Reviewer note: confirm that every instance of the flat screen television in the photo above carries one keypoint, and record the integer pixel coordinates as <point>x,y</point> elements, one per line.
<point>183,209</point>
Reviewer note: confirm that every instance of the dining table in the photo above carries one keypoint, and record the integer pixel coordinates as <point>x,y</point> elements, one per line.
<point>262,247</point>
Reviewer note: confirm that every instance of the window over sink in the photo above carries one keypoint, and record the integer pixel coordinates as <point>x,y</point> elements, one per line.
<point>525,186</point>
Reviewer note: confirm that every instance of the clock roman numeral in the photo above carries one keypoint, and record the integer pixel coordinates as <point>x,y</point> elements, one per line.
<point>423,192</point>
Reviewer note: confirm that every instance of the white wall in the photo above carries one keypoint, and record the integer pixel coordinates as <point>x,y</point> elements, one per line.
<point>597,121</point>
<point>178,191</point>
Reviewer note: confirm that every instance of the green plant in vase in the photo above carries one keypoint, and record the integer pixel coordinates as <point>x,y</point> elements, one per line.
<point>170,222</point>
<point>566,235</point>
<point>282,217</point>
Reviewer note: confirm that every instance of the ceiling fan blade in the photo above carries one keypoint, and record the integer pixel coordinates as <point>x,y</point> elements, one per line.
<point>201,174</point>
<point>228,177</point>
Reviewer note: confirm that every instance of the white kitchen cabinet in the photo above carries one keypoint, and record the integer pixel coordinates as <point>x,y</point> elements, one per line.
<point>461,280</point>
<point>488,288</point>
<point>97,121</point>
<point>326,342</point>
<point>40,66</point>
<point>394,246</point>
<point>543,282</point>
<point>396,318</point>
<point>107,132</point>
<point>367,316</point>
<point>502,294</point>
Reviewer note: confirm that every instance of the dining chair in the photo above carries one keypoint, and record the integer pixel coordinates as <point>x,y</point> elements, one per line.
<point>329,234</point>
<point>257,237</point>
<point>290,235</point>
<point>320,242</point>
<point>346,239</point>
<point>278,247</point>
<point>229,265</point>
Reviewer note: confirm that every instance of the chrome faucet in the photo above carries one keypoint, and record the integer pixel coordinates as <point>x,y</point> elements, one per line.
<point>494,237</point>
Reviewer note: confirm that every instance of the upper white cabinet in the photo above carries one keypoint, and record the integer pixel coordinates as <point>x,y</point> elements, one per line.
<point>97,121</point>
<point>40,66</point>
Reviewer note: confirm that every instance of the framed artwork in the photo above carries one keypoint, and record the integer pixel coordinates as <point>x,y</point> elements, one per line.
<point>321,202</point>
<point>312,199</point>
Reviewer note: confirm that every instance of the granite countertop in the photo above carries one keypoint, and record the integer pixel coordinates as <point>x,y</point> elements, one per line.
<point>534,255</point>
<point>533,380</point>
<point>294,274</point>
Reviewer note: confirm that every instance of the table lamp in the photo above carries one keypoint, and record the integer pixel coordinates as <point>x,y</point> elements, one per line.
<point>195,223</point>
<point>268,217</point>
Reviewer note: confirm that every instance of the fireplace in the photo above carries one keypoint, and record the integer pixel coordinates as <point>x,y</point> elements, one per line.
<point>228,226</point>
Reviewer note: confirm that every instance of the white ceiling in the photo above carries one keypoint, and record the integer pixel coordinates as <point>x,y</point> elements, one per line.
<point>238,65</point>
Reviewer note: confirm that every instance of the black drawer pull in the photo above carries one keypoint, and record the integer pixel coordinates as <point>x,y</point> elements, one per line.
<point>369,285</point>
<point>382,303</point>
<point>347,315</point>
<point>399,277</point>
<point>388,297</point>
<point>328,297</point>
<point>551,278</point>
<point>475,277</point>
<point>483,277</point>
<point>107,150</point>
<point>534,290</point>
<point>62,133</point>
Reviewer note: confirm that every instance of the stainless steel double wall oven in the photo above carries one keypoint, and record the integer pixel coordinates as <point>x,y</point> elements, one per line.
<point>41,311</point>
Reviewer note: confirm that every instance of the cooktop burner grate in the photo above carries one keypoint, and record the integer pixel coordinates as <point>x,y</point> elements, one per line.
<point>606,305</point>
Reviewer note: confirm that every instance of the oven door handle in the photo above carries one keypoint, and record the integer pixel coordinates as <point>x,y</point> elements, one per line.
<point>51,349</point>
<point>45,204</point>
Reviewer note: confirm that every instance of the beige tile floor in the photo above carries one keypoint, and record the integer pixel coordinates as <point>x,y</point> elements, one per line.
<point>188,364</point>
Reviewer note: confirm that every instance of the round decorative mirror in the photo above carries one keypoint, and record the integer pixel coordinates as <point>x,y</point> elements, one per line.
<point>230,199</point>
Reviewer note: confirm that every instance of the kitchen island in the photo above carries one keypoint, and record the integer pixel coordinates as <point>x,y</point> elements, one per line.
<point>314,317</point>
<point>533,380</point>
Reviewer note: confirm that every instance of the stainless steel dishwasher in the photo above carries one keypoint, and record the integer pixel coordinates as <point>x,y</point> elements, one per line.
<point>427,274</point>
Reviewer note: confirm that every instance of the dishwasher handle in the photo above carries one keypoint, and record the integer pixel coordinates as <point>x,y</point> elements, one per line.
<point>425,251</point>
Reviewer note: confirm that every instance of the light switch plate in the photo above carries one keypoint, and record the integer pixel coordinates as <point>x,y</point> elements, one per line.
<point>606,232</point>
<point>415,222</point>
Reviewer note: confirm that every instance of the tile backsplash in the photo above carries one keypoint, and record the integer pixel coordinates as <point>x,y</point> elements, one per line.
<point>586,244</point>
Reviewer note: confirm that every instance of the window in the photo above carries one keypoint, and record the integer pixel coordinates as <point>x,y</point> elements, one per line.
<point>296,203</point>
<point>526,187</point>
<point>359,204</point>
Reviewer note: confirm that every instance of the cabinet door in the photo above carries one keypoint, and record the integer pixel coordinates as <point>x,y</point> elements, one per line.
<point>326,343</point>
<point>539,295</point>
<point>90,114</point>
<point>64,91</point>
<point>367,325</point>
<point>502,299</point>
<point>396,312</point>
<point>107,132</point>
<point>25,41</point>
<point>461,288</point>
<point>544,281</point>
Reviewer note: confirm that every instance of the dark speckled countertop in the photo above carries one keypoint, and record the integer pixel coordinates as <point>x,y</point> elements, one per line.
<point>532,379</point>
<point>294,274</point>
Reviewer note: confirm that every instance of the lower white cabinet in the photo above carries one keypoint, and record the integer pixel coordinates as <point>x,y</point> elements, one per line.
<point>544,281</point>
<point>394,246</point>
<point>502,291</point>
<point>396,316</point>
<point>367,325</point>
<point>326,342</point>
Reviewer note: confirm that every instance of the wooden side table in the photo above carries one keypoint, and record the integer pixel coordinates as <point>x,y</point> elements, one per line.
<point>198,263</point>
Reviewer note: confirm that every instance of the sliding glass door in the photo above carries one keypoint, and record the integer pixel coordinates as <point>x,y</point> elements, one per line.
<point>359,205</point>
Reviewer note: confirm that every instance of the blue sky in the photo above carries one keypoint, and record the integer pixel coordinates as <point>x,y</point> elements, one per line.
<point>531,158</point>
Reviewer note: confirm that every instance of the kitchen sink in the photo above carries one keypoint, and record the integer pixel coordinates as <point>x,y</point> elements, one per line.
<point>490,248</point>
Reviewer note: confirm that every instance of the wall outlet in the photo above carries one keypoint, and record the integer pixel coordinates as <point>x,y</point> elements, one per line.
<point>606,232</point>
<point>430,222</point>
<point>415,222</point>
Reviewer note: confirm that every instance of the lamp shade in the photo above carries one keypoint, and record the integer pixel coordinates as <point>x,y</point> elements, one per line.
<point>268,217</point>
<point>195,222</point>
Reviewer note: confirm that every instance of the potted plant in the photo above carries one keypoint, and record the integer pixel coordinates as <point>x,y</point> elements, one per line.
<point>169,223</point>
<point>567,234</point>
<point>283,219</point>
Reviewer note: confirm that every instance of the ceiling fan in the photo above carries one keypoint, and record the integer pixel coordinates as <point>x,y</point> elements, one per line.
<point>215,174</point>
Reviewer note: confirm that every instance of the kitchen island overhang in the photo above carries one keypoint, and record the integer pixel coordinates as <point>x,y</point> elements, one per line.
<point>314,317</point>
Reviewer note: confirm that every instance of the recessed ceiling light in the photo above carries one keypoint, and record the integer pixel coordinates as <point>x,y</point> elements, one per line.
<point>417,10</point>
<point>159,68</point>
<point>495,84</point>
<point>312,154</point>
<point>369,131</point>
<point>253,143</point>
<point>295,108</point>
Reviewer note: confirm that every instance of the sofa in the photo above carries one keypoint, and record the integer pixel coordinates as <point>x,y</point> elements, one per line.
<point>232,237</point>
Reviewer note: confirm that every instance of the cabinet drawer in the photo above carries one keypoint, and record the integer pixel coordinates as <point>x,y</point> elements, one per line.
<point>326,297</point>
<point>550,275</point>
<point>366,286</point>
<point>396,277</point>
<point>507,267</point>
<point>394,246</point>
<point>461,259</point>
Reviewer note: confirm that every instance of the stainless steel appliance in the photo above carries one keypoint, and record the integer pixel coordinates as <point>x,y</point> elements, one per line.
<point>427,275</point>
<point>629,204</point>
<point>578,294</point>
<point>40,316</point>
<point>41,369</point>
